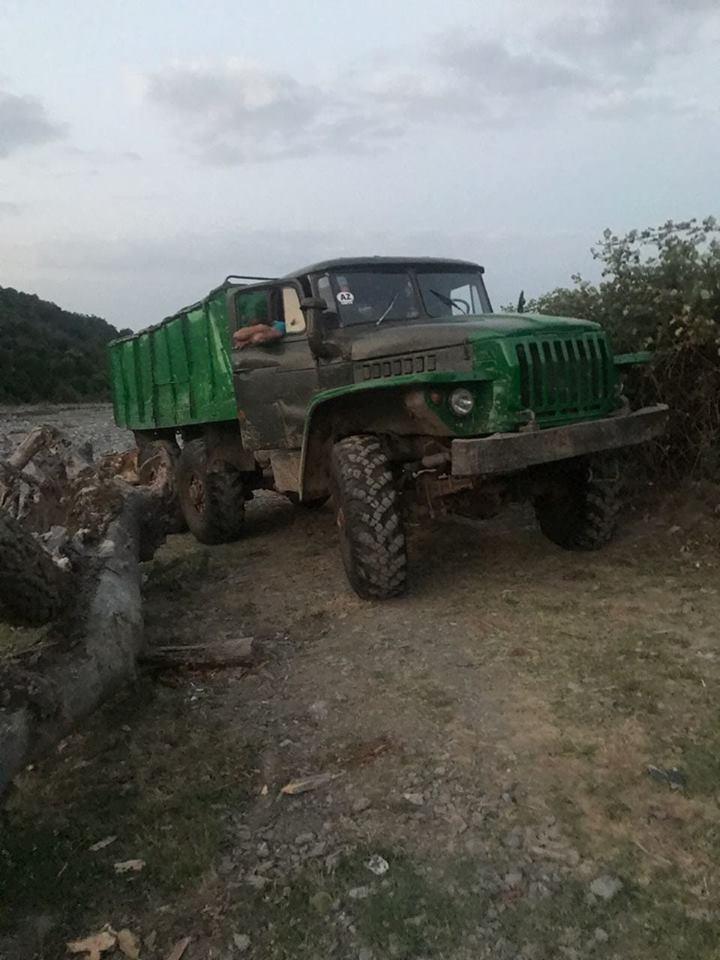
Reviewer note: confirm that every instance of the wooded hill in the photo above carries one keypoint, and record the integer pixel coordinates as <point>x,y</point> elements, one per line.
<point>51,354</point>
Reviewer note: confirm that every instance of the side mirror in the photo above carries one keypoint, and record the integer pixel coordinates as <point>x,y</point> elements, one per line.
<point>521,302</point>
<point>315,307</point>
<point>312,303</point>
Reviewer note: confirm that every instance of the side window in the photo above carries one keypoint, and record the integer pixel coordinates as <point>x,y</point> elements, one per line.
<point>293,315</point>
<point>252,307</point>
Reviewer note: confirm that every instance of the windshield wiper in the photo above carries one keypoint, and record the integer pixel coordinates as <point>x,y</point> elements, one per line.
<point>449,302</point>
<point>387,309</point>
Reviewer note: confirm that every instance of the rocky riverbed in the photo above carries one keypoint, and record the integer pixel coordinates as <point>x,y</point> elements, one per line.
<point>85,423</point>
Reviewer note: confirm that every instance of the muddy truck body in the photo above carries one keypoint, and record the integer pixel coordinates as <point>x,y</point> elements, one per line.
<point>395,387</point>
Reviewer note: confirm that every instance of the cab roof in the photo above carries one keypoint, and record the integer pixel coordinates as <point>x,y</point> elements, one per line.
<point>342,263</point>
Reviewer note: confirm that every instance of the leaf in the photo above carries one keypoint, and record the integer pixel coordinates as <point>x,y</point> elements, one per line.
<point>129,866</point>
<point>128,944</point>
<point>179,949</point>
<point>308,783</point>
<point>95,944</point>
<point>101,844</point>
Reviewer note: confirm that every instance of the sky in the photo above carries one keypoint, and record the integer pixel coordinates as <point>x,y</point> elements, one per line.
<point>148,149</point>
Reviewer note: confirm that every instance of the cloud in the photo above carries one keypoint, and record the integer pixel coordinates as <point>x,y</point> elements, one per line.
<point>24,123</point>
<point>604,62</point>
<point>237,112</point>
<point>8,208</point>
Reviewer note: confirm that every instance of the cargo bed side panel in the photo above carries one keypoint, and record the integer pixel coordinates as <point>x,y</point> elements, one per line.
<point>176,374</point>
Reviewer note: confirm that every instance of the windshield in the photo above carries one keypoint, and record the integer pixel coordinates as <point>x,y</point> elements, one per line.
<point>376,296</point>
<point>455,293</point>
<point>369,297</point>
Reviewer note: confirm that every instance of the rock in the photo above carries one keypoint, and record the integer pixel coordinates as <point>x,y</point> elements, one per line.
<point>318,711</point>
<point>359,893</point>
<point>538,891</point>
<point>601,935</point>
<point>606,887</point>
<point>514,838</point>
<point>378,865</point>
<point>256,882</point>
<point>513,879</point>
<point>321,901</point>
<point>415,799</point>
<point>361,804</point>
<point>263,850</point>
<point>241,941</point>
<point>303,839</point>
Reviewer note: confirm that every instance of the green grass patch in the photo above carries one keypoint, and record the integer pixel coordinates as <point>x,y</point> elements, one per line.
<point>151,772</point>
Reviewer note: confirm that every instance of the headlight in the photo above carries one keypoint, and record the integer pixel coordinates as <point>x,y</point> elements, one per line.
<point>461,402</point>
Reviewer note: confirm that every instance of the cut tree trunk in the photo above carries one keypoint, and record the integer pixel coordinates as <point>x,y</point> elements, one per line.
<point>33,588</point>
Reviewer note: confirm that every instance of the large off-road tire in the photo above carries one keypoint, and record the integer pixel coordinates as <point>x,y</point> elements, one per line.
<point>581,511</point>
<point>369,518</point>
<point>213,503</point>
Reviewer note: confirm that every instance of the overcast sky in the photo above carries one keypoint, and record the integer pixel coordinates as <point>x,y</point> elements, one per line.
<point>147,149</point>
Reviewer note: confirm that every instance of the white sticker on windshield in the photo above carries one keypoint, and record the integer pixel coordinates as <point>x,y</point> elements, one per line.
<point>345,297</point>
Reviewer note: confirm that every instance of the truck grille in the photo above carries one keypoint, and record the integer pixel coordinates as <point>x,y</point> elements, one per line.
<point>564,375</point>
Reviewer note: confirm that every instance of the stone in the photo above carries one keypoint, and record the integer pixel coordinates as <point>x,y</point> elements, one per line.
<point>241,941</point>
<point>303,839</point>
<point>318,711</point>
<point>321,901</point>
<point>514,838</point>
<point>606,887</point>
<point>415,799</point>
<point>361,804</point>
<point>601,935</point>
<point>359,893</point>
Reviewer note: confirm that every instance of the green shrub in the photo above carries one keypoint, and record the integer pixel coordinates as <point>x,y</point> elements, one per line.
<point>660,291</point>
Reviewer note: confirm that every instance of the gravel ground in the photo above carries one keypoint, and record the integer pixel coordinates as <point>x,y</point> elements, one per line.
<point>516,761</point>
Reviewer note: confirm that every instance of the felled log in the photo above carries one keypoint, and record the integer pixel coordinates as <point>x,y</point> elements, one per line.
<point>33,588</point>
<point>44,692</point>
<point>86,499</point>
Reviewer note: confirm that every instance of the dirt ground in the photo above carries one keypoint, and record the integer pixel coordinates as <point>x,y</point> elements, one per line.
<point>521,758</point>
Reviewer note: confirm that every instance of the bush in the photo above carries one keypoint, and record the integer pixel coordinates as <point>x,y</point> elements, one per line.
<point>660,291</point>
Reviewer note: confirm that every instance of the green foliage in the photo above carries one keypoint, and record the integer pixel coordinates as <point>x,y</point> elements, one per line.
<point>50,354</point>
<point>660,290</point>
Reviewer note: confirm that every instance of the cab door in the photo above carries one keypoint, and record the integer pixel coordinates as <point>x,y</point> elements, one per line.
<point>274,382</point>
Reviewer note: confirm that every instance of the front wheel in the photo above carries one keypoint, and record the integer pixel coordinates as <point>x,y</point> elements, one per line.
<point>212,502</point>
<point>369,519</point>
<point>581,511</point>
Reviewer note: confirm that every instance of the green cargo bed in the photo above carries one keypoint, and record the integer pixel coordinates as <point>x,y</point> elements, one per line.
<point>178,372</point>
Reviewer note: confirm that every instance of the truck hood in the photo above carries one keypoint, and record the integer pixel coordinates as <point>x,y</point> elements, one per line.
<point>404,336</point>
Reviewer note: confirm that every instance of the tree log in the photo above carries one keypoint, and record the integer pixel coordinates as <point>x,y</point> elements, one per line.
<point>33,588</point>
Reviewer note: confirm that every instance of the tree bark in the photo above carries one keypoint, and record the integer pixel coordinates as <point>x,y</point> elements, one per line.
<point>33,588</point>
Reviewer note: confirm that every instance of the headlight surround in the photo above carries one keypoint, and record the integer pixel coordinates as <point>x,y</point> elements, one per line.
<point>461,402</point>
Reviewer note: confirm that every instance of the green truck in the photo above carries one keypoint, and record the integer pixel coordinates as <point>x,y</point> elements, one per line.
<point>392,386</point>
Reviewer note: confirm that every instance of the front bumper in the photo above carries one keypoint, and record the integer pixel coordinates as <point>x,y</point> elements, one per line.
<point>508,452</point>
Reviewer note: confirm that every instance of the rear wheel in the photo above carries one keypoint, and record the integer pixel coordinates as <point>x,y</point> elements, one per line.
<point>581,511</point>
<point>371,528</point>
<point>213,503</point>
